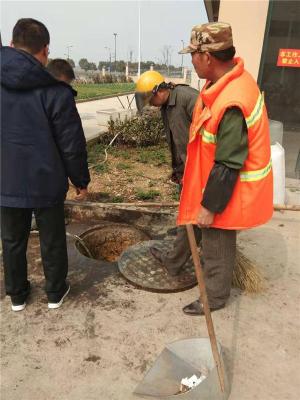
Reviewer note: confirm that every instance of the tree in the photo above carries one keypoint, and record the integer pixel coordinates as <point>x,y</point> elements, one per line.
<point>84,64</point>
<point>121,66</point>
<point>71,62</point>
<point>92,66</point>
<point>166,53</point>
<point>102,64</point>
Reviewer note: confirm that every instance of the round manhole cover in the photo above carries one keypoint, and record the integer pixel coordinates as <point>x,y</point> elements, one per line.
<point>139,267</point>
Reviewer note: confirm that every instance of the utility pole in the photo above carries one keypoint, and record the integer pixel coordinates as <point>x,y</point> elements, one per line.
<point>139,57</point>
<point>109,56</point>
<point>68,51</point>
<point>115,35</point>
<point>168,68</point>
<point>182,57</point>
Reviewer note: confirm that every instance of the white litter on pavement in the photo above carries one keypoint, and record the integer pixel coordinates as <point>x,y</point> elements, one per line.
<point>190,383</point>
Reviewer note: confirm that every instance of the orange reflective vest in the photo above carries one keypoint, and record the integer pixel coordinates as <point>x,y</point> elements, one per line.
<point>251,203</point>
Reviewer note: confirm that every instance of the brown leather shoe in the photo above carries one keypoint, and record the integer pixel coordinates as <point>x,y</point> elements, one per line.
<point>157,254</point>
<point>196,308</point>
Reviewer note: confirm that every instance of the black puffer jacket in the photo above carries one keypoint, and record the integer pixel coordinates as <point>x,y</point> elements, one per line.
<point>42,140</point>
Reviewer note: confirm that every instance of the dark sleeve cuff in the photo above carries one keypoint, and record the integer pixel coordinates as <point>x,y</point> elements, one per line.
<point>219,188</point>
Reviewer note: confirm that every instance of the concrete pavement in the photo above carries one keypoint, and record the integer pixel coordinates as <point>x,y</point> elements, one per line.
<point>107,334</point>
<point>87,112</point>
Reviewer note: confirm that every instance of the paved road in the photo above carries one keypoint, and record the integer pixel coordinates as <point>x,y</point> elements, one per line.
<point>88,110</point>
<point>108,333</point>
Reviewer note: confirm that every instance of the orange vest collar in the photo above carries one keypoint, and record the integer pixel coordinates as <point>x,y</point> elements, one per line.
<point>209,95</point>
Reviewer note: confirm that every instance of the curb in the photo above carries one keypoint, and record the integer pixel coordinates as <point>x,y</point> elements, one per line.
<point>103,97</point>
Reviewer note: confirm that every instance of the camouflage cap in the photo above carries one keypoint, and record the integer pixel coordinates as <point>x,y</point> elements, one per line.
<point>214,36</point>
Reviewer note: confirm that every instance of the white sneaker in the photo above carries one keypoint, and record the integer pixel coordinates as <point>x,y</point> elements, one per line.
<point>59,303</point>
<point>18,307</point>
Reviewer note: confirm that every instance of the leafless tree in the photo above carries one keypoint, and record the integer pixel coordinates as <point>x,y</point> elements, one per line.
<point>166,53</point>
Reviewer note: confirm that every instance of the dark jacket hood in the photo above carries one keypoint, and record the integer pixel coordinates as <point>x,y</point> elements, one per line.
<point>21,71</point>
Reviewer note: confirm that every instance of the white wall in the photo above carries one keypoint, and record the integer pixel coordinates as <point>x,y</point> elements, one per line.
<point>248,21</point>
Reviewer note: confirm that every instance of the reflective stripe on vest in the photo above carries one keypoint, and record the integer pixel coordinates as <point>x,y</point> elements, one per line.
<point>257,111</point>
<point>250,176</point>
<point>256,114</point>
<point>208,137</point>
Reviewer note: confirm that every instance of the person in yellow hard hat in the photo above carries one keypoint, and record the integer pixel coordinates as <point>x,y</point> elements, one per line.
<point>147,87</point>
<point>176,103</point>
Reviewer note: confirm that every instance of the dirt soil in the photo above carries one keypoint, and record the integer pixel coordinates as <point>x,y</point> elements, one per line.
<point>130,174</point>
<point>107,334</point>
<point>109,242</point>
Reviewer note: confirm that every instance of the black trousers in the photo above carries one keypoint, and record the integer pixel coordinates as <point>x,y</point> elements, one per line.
<point>15,230</point>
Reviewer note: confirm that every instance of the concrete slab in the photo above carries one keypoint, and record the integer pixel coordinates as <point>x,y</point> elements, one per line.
<point>108,333</point>
<point>292,191</point>
<point>87,112</point>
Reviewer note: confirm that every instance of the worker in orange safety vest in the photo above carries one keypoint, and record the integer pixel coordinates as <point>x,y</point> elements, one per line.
<point>228,182</point>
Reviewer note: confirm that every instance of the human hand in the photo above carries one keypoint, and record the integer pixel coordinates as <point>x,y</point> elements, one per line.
<point>81,194</point>
<point>174,178</point>
<point>205,218</point>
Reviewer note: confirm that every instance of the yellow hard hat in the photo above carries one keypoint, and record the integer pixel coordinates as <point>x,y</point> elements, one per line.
<point>149,81</point>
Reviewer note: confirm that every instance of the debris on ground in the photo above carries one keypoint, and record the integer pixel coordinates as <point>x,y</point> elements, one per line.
<point>188,384</point>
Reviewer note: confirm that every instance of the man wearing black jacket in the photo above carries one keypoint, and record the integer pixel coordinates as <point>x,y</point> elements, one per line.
<point>42,145</point>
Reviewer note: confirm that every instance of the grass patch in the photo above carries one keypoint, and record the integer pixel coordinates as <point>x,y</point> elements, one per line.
<point>101,168</point>
<point>117,199</point>
<point>91,90</point>
<point>153,155</point>
<point>147,195</point>
<point>176,193</point>
<point>124,166</point>
<point>96,153</point>
<point>124,153</point>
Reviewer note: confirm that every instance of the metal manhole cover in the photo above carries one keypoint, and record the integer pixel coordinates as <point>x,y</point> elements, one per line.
<point>139,267</point>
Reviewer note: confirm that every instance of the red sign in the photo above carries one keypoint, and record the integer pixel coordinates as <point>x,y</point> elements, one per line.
<point>288,58</point>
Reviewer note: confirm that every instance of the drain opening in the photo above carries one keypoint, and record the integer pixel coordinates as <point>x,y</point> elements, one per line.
<point>109,242</point>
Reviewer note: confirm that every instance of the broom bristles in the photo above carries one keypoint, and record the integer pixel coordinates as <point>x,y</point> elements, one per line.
<point>246,275</point>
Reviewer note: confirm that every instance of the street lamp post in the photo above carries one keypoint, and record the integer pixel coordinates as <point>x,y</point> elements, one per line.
<point>139,56</point>
<point>68,51</point>
<point>115,35</point>
<point>109,58</point>
<point>182,57</point>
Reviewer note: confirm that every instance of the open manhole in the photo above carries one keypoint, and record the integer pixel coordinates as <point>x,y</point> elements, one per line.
<point>108,242</point>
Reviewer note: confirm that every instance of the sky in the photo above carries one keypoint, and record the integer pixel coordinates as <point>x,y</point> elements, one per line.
<point>88,26</point>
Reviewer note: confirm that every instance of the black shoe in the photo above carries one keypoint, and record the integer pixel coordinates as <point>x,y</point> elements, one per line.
<point>18,303</point>
<point>157,254</point>
<point>196,308</point>
<point>18,307</point>
<point>58,303</point>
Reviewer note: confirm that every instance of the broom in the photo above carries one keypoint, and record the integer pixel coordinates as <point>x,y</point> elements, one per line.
<point>246,275</point>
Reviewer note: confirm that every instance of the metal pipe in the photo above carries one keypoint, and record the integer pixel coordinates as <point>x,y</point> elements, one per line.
<point>81,241</point>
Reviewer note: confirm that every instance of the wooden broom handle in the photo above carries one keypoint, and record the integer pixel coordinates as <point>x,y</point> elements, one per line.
<point>204,300</point>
